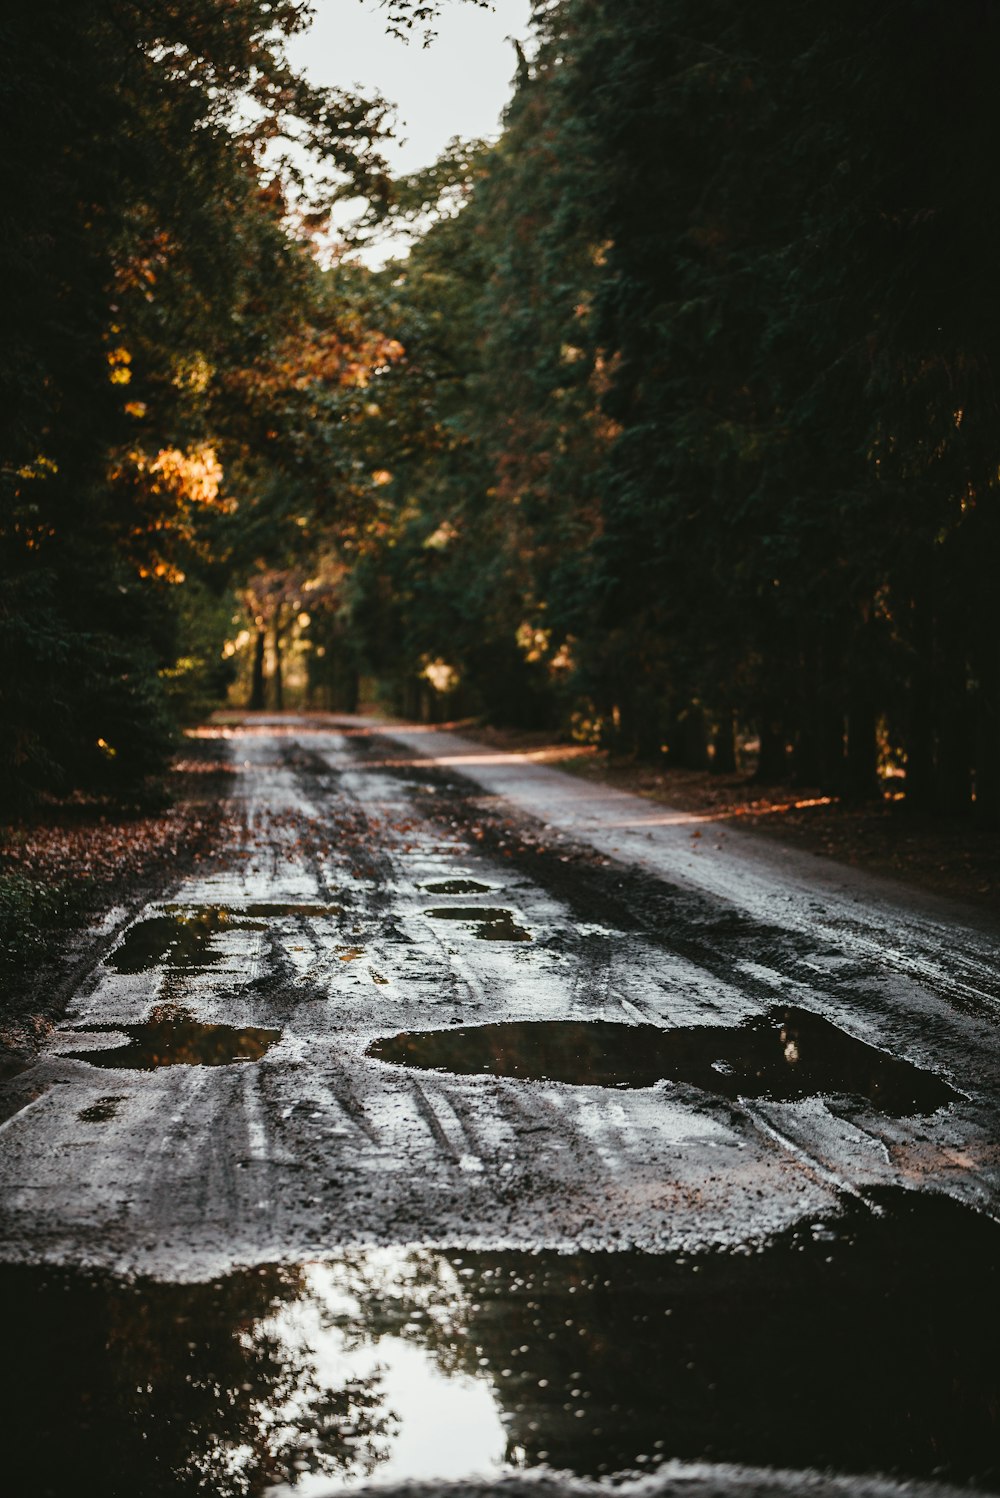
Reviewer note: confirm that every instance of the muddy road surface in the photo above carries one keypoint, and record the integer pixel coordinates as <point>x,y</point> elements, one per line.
<point>469,1121</point>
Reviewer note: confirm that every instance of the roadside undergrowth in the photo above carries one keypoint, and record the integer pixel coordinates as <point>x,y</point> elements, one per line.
<point>69,863</point>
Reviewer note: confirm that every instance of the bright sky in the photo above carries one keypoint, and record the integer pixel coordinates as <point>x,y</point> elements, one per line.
<point>456,86</point>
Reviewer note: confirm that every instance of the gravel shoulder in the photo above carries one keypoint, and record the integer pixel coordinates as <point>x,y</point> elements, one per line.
<point>947,856</point>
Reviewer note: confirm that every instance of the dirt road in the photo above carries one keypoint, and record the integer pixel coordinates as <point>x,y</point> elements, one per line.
<point>471,1118</point>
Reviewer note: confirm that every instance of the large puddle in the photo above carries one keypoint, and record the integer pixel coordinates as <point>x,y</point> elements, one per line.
<point>785,1055</point>
<point>861,1344</point>
<point>173,1037</point>
<point>486,923</point>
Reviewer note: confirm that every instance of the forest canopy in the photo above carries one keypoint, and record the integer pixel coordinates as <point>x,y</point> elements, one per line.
<point>676,429</point>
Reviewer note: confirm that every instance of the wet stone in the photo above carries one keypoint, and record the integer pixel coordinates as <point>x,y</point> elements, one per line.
<point>485,923</point>
<point>175,1038</point>
<point>871,1350</point>
<point>786,1055</point>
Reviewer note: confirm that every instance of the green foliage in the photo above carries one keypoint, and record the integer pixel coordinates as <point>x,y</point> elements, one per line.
<point>794,227</point>
<point>84,704</point>
<point>147,265</point>
<point>681,413</point>
<point>472,558</point>
<point>30,911</point>
<point>197,680</point>
<point>703,418</point>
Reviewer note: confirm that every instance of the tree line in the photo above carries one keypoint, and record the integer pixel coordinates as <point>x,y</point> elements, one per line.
<point>677,427</point>
<point>711,359</point>
<point>174,368</point>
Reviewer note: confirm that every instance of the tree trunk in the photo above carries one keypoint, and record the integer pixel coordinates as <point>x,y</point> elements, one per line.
<point>953,780</point>
<point>920,728</point>
<point>772,762</point>
<point>693,738</point>
<point>861,768</point>
<point>819,749</point>
<point>819,744</point>
<point>987,741</point>
<point>724,746</point>
<point>624,718</point>
<point>256,703</point>
<point>279,685</point>
<point>647,724</point>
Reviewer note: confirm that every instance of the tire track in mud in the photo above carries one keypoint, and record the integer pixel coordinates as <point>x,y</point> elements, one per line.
<point>706,930</point>
<point>529,1195</point>
<point>345,849</point>
<point>767,963</point>
<point>588,957</point>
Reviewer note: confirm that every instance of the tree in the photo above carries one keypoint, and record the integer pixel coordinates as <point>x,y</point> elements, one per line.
<point>711,397</point>
<point>148,253</point>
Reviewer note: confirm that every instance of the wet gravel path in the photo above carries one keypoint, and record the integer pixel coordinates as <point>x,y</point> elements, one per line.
<point>244,1081</point>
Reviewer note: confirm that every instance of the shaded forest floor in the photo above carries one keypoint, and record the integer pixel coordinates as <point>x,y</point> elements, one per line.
<point>946,856</point>
<point>76,870</point>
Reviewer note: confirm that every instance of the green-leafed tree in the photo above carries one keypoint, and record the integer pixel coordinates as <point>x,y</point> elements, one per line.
<point>467,591</point>
<point>708,366</point>
<point>148,257</point>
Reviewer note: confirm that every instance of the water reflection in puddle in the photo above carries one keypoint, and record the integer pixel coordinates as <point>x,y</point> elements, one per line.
<point>862,1344</point>
<point>183,940</point>
<point>184,936</point>
<point>486,923</point>
<point>172,1037</point>
<point>787,1054</point>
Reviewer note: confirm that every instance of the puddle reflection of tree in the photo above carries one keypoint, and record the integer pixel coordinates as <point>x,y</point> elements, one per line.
<point>166,1389</point>
<point>171,1036</point>
<point>785,1055</point>
<point>485,923</point>
<point>863,1344</point>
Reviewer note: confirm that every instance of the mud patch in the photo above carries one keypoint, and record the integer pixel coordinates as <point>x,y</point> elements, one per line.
<point>102,1111</point>
<point>459,887</point>
<point>862,1344</point>
<point>175,1038</point>
<point>786,1055</point>
<point>485,923</point>
<point>179,939</point>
